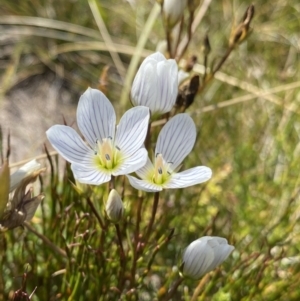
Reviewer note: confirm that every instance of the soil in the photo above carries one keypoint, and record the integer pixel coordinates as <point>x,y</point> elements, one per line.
<point>30,108</point>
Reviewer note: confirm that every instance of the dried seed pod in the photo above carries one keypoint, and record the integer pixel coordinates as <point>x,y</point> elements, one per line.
<point>242,31</point>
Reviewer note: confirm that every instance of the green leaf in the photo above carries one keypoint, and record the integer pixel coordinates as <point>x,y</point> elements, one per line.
<point>4,187</point>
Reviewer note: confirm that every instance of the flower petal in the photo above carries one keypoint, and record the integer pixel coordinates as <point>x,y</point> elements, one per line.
<point>221,250</point>
<point>147,169</point>
<point>157,56</point>
<point>132,130</point>
<point>132,163</point>
<point>143,185</point>
<point>141,87</point>
<point>22,173</point>
<point>96,116</point>
<point>189,177</point>
<point>88,174</point>
<point>176,139</point>
<point>69,145</point>
<point>197,258</point>
<point>156,84</point>
<point>168,88</point>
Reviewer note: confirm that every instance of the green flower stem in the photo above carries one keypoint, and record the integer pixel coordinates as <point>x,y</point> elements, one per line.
<point>138,219</point>
<point>210,76</point>
<point>45,240</point>
<point>168,35</point>
<point>154,209</point>
<point>122,258</point>
<point>119,235</point>
<point>200,287</point>
<point>156,250</point>
<point>172,291</point>
<point>112,183</point>
<point>94,210</point>
<point>136,247</point>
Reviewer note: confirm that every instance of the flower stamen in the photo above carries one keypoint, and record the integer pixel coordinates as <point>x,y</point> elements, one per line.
<point>161,170</point>
<point>105,153</point>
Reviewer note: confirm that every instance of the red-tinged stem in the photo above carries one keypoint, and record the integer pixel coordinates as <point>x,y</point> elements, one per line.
<point>172,291</point>
<point>154,209</point>
<point>94,210</point>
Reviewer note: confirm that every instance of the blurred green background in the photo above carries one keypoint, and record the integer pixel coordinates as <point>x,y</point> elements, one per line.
<point>51,51</point>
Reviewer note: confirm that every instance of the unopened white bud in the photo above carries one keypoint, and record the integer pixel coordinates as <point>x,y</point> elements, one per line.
<point>205,254</point>
<point>22,173</point>
<point>173,11</point>
<point>156,84</point>
<point>114,207</point>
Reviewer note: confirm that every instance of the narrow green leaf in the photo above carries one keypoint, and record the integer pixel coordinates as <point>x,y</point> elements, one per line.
<point>4,187</point>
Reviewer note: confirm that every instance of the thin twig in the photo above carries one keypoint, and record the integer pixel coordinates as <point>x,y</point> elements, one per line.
<point>222,61</point>
<point>189,36</point>
<point>210,76</point>
<point>122,258</point>
<point>169,47</point>
<point>172,291</point>
<point>136,246</point>
<point>45,240</point>
<point>94,210</point>
<point>119,235</point>
<point>200,286</point>
<point>201,13</point>
<point>154,209</point>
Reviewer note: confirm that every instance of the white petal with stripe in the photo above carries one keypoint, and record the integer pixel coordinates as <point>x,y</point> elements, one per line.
<point>88,174</point>
<point>69,145</point>
<point>96,116</point>
<point>168,85</point>
<point>132,130</point>
<point>197,257</point>
<point>146,170</point>
<point>221,250</point>
<point>143,185</point>
<point>132,163</point>
<point>156,84</point>
<point>176,139</point>
<point>189,177</point>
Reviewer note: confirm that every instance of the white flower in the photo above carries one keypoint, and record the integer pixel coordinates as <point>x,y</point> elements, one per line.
<point>16,201</point>
<point>173,11</point>
<point>156,84</point>
<point>22,173</point>
<point>175,141</point>
<point>114,207</point>
<point>111,152</point>
<point>205,254</point>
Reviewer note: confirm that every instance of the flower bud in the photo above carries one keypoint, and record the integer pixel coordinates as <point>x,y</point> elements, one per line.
<point>242,31</point>
<point>21,205</point>
<point>155,85</point>
<point>114,207</point>
<point>26,170</point>
<point>173,11</point>
<point>205,254</point>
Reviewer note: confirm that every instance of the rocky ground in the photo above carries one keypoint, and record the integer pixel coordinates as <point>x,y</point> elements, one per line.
<point>30,108</point>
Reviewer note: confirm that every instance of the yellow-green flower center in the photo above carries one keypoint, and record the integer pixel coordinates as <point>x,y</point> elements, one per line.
<point>107,156</point>
<point>161,170</point>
